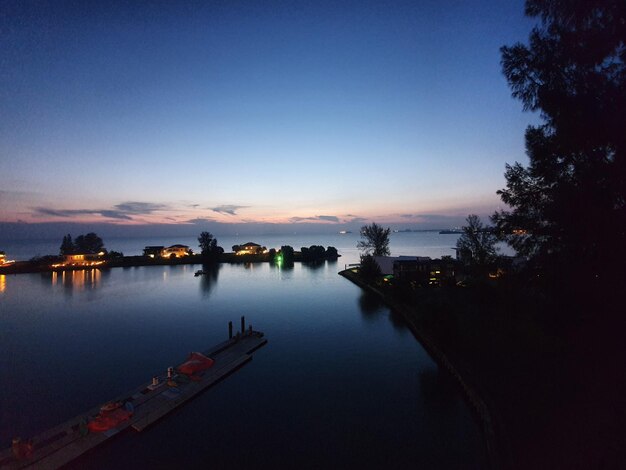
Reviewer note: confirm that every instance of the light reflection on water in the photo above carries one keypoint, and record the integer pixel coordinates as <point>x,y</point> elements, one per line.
<point>342,382</point>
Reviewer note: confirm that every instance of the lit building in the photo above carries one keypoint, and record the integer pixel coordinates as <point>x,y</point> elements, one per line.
<point>175,251</point>
<point>153,251</point>
<point>82,259</point>
<point>249,248</point>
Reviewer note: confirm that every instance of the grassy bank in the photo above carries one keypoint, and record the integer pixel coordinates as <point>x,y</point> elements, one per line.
<point>552,383</point>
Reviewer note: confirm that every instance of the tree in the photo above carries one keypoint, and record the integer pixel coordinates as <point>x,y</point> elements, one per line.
<point>67,246</point>
<point>89,243</point>
<point>287,254</point>
<point>207,243</point>
<point>331,253</point>
<point>568,206</point>
<point>476,244</point>
<point>208,246</point>
<point>375,240</point>
<point>369,269</point>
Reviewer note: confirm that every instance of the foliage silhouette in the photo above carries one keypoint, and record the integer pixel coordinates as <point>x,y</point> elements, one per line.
<point>568,206</point>
<point>476,244</point>
<point>208,246</point>
<point>375,240</point>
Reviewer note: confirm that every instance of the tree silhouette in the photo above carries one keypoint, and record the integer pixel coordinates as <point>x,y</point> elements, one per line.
<point>568,206</point>
<point>89,243</point>
<point>208,246</point>
<point>476,244</point>
<point>67,246</point>
<point>375,240</point>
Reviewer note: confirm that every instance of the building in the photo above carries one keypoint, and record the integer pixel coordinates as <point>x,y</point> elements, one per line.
<point>386,263</point>
<point>249,248</point>
<point>176,251</point>
<point>153,251</point>
<point>3,258</point>
<point>83,259</point>
<point>424,271</point>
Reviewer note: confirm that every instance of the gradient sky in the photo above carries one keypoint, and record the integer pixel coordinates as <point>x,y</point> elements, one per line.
<point>248,112</point>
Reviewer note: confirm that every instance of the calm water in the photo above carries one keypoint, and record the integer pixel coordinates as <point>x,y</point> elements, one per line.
<point>342,383</point>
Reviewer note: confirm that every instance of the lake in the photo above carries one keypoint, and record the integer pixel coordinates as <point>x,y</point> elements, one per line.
<point>341,383</point>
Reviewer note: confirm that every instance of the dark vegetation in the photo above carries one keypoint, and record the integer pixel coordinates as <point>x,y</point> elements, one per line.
<point>89,244</point>
<point>542,343</point>
<point>209,250</point>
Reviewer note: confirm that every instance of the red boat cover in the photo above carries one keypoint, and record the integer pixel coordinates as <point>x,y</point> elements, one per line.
<point>197,362</point>
<point>109,419</point>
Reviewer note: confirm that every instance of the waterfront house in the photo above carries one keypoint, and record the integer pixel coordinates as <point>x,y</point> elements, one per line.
<point>250,248</point>
<point>176,251</point>
<point>83,259</point>
<point>3,257</point>
<point>153,251</point>
<point>424,271</point>
<point>385,263</point>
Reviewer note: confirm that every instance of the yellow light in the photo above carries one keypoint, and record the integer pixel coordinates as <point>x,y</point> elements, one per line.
<point>3,283</point>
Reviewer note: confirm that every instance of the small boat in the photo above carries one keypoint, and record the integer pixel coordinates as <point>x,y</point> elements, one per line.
<point>200,272</point>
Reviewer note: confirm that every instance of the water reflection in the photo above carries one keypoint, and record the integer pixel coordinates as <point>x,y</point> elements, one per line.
<point>314,265</point>
<point>3,283</point>
<point>74,281</point>
<point>370,303</point>
<point>209,279</point>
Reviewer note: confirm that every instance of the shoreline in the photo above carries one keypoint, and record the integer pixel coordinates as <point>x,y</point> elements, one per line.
<point>29,267</point>
<point>489,423</point>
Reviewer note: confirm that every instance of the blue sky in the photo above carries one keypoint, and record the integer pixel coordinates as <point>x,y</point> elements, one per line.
<point>211,113</point>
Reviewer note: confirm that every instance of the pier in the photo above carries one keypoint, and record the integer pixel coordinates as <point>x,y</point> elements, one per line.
<point>148,403</point>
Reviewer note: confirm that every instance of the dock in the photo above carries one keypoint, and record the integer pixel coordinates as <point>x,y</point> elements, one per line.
<point>149,403</point>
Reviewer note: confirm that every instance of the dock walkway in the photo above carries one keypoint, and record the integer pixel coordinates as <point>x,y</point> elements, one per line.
<point>65,442</point>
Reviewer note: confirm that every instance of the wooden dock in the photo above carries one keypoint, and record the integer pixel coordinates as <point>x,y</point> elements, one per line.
<point>65,442</point>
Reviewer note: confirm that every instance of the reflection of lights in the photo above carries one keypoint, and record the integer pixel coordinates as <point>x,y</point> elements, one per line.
<point>3,283</point>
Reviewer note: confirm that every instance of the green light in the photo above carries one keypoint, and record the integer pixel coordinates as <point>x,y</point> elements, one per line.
<point>278,259</point>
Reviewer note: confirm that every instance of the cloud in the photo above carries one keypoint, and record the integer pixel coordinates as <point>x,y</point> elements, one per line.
<point>227,209</point>
<point>357,220</point>
<point>199,220</point>
<point>124,211</point>
<point>317,218</point>
<point>140,208</point>
<point>69,213</point>
<point>114,215</point>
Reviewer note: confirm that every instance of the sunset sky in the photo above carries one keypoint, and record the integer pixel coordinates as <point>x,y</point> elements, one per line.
<point>256,112</point>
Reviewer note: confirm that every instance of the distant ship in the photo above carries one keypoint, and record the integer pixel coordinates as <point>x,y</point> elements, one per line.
<point>454,231</point>
<point>343,232</point>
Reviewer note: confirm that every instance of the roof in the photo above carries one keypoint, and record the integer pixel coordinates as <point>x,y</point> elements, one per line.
<point>250,244</point>
<point>177,246</point>
<point>385,263</point>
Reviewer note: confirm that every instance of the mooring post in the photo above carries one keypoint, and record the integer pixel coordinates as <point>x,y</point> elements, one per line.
<point>230,330</point>
<point>243,324</point>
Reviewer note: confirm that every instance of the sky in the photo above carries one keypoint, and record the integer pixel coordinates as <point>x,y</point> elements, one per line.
<point>226,114</point>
